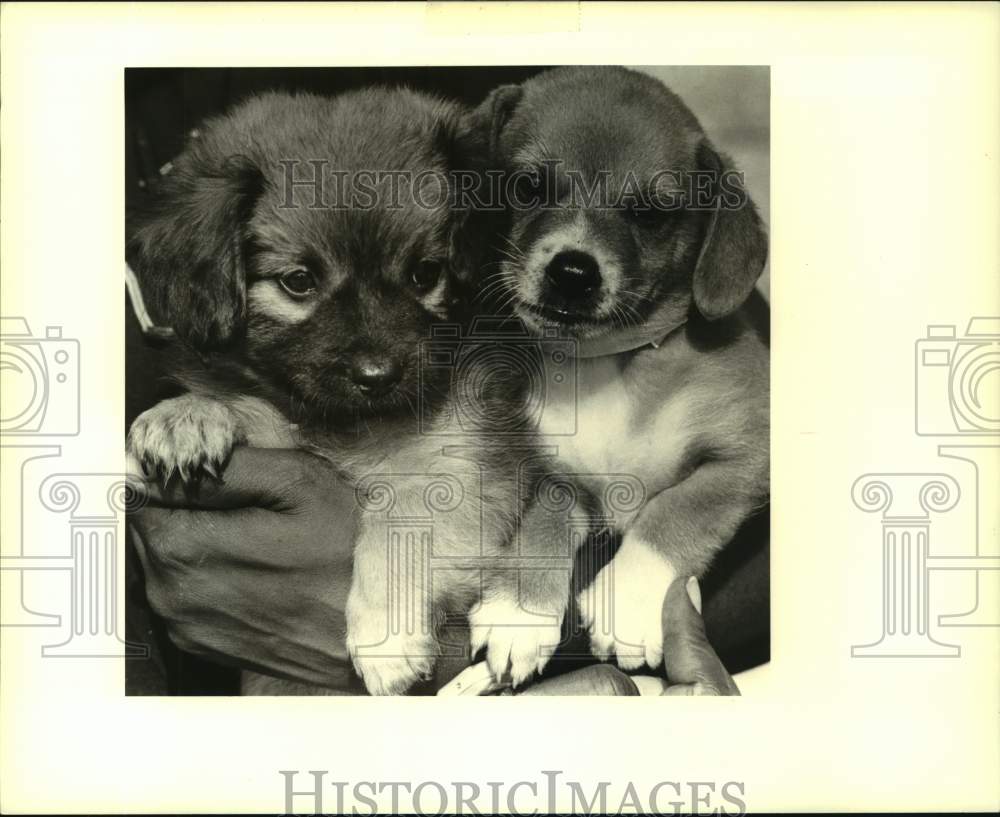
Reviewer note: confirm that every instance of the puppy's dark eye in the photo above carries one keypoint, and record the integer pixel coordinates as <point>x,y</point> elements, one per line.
<point>530,189</point>
<point>426,275</point>
<point>648,217</point>
<point>299,283</point>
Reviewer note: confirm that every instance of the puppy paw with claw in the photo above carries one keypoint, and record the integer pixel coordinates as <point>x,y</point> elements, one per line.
<point>623,607</point>
<point>187,435</point>
<point>395,664</point>
<point>519,643</point>
<point>388,662</point>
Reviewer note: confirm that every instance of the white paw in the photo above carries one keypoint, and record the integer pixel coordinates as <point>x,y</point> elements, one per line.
<point>388,662</point>
<point>516,640</point>
<point>186,435</point>
<point>392,667</point>
<point>623,607</point>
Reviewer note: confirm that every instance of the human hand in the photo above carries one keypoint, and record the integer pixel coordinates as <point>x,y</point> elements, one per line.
<point>254,570</point>
<point>691,666</point>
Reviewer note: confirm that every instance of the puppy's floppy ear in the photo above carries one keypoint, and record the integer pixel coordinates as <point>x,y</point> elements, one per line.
<point>461,148</point>
<point>734,249</point>
<point>474,150</point>
<point>461,137</point>
<point>494,112</point>
<point>188,247</point>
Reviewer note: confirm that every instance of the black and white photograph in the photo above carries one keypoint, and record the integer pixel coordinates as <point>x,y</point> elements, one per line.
<point>365,367</point>
<point>448,380</point>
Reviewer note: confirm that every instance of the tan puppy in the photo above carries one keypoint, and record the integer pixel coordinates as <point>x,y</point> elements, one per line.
<point>629,232</point>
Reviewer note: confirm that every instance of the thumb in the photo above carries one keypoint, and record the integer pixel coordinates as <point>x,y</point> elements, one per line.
<point>688,658</point>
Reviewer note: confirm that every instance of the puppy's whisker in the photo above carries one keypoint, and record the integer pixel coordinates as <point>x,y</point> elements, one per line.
<point>502,275</point>
<point>507,319</point>
<point>512,248</point>
<point>494,275</point>
<point>631,310</point>
<point>621,317</point>
<point>517,261</point>
<point>633,293</point>
<point>499,263</point>
<point>504,278</point>
<point>508,283</point>
<point>508,302</point>
<point>498,286</point>
<point>414,412</point>
<point>616,318</point>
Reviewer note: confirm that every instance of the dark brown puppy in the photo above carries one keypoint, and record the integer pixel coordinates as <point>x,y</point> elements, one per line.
<point>305,307</point>
<point>629,232</point>
<point>253,232</point>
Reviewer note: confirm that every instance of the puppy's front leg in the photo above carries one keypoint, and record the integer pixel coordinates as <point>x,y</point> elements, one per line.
<point>519,618</point>
<point>676,534</point>
<point>185,435</point>
<point>390,623</point>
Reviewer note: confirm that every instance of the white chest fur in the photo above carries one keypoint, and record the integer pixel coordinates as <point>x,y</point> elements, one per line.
<point>611,424</point>
<point>589,424</point>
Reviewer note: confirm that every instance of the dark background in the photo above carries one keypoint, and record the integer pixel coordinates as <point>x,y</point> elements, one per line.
<point>162,106</point>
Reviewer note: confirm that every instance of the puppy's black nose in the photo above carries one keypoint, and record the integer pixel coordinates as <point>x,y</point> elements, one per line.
<point>375,375</point>
<point>573,276</point>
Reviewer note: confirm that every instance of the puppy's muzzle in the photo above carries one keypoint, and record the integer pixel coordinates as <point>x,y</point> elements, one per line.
<point>375,375</point>
<point>572,282</point>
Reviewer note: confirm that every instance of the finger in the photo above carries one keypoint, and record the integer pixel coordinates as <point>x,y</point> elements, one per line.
<point>688,658</point>
<point>181,537</point>
<point>649,685</point>
<point>600,679</point>
<point>134,469</point>
<point>690,689</point>
<point>139,543</point>
<point>253,477</point>
<point>137,481</point>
